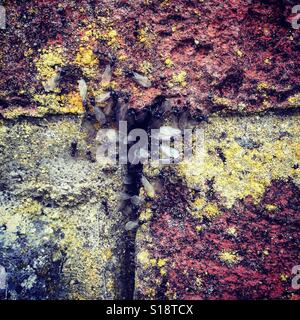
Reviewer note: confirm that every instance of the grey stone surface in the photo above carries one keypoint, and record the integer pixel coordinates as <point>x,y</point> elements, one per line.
<point>60,223</point>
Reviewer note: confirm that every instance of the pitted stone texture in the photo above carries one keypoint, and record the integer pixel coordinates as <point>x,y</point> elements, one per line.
<point>60,224</point>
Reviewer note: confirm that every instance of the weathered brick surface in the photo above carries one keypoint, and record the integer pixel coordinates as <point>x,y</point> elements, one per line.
<point>206,55</point>
<point>227,227</point>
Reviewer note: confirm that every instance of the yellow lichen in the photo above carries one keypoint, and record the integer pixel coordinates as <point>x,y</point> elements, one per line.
<point>111,285</point>
<point>179,79</point>
<point>284,277</point>
<point>199,203</point>
<point>90,260</point>
<point>263,86</point>
<point>87,60</point>
<point>199,228</point>
<point>85,56</point>
<point>145,36</point>
<point>153,262</point>
<point>146,67</point>
<point>53,103</point>
<point>146,215</point>
<point>150,292</point>
<point>294,100</point>
<point>122,57</point>
<point>74,103</point>
<point>29,52</point>
<point>112,34</point>
<point>246,171</point>
<point>161,262</point>
<point>107,254</point>
<point>29,206</point>
<point>221,101</point>
<point>239,53</point>
<point>271,207</point>
<point>49,58</point>
<point>229,257</point>
<point>231,231</point>
<point>118,72</point>
<point>168,62</point>
<point>90,33</point>
<point>12,113</point>
<point>143,258</point>
<point>211,210</point>
<point>112,38</point>
<point>163,271</point>
<point>200,208</point>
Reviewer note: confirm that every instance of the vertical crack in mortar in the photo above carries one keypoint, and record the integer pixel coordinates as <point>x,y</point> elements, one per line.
<point>151,117</point>
<point>128,263</point>
<point>137,119</point>
<point>134,173</point>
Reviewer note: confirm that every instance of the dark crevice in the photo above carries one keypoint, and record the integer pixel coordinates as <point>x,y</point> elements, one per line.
<point>144,119</point>
<point>151,117</point>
